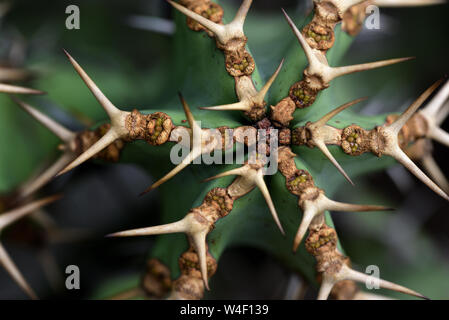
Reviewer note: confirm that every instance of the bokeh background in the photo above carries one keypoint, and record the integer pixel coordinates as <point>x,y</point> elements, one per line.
<point>125,46</point>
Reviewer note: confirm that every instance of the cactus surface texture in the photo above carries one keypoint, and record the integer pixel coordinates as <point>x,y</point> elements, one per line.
<point>287,114</point>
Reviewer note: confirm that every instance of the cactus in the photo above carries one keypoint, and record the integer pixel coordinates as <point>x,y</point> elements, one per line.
<point>295,107</point>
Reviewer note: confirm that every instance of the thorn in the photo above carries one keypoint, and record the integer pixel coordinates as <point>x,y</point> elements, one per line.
<point>253,177</point>
<point>238,171</point>
<point>442,115</point>
<point>435,113</point>
<point>263,92</point>
<point>118,128</point>
<point>390,133</point>
<point>110,137</point>
<point>439,135</point>
<point>223,33</point>
<point>195,152</point>
<point>241,14</point>
<point>326,118</point>
<point>169,175</point>
<point>402,158</point>
<point>107,105</point>
<point>195,230</point>
<point>310,53</point>
<point>7,88</point>
<point>308,214</point>
<point>322,146</point>
<point>188,113</point>
<point>349,207</point>
<point>434,106</point>
<point>396,126</point>
<point>340,71</point>
<point>361,295</point>
<point>60,131</point>
<point>343,5</point>
<point>11,268</point>
<point>9,217</point>
<point>326,287</point>
<point>259,181</point>
<point>199,243</point>
<point>13,74</point>
<point>318,135</point>
<point>248,102</point>
<point>46,176</point>
<point>175,227</point>
<point>217,29</point>
<point>314,208</point>
<point>318,64</point>
<point>347,273</point>
<point>243,105</point>
<point>435,172</point>
<point>50,267</point>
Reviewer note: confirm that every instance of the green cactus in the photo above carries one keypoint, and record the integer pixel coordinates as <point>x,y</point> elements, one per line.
<point>222,85</point>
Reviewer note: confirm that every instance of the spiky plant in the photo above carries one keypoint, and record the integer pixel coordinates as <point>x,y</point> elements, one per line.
<point>319,142</point>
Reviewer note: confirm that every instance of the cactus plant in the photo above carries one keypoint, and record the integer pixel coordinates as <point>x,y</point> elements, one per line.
<point>320,139</point>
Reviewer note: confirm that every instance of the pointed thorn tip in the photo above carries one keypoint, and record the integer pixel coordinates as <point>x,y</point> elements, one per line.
<point>295,247</point>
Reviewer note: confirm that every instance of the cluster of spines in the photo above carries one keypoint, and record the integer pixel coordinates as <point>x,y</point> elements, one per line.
<point>316,39</point>
<point>9,217</point>
<point>156,128</point>
<point>398,133</point>
<point>197,264</point>
<point>231,39</point>
<point>332,266</point>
